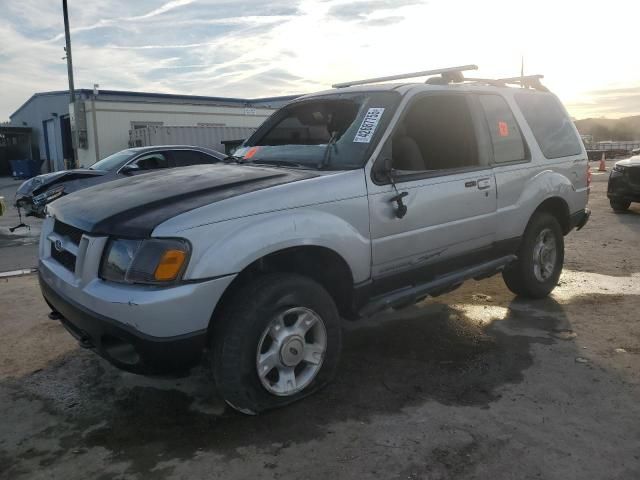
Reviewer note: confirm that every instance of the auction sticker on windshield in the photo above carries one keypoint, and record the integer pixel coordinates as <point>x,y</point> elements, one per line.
<point>368,125</point>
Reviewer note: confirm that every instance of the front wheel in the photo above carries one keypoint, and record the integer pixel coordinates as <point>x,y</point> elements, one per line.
<point>278,340</point>
<point>620,205</point>
<point>540,258</point>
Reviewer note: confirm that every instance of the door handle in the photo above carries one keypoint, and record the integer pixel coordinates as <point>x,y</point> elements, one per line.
<point>484,183</point>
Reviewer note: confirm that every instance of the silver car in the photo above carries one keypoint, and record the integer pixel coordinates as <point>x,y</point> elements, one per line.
<point>342,204</point>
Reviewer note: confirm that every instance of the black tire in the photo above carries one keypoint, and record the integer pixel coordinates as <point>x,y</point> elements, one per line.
<point>520,276</point>
<point>240,329</point>
<point>619,205</point>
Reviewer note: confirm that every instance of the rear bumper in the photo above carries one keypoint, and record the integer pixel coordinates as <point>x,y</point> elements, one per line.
<point>580,218</point>
<point>122,345</point>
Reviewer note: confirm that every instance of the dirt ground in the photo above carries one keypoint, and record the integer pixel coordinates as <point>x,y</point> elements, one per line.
<point>471,385</point>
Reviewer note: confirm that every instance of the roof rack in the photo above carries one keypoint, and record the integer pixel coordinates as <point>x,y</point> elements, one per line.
<point>454,75</point>
<point>525,81</point>
<point>445,72</point>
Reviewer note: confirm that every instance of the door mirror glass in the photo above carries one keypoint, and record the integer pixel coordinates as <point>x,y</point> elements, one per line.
<point>129,169</point>
<point>383,168</point>
<point>152,161</point>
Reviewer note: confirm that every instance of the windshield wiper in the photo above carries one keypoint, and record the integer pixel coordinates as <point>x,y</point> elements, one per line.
<point>232,159</point>
<point>331,145</point>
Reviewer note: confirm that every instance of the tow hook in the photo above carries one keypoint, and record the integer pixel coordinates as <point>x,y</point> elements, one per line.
<point>85,341</point>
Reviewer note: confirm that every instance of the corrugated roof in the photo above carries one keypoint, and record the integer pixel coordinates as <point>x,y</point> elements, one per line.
<point>163,96</point>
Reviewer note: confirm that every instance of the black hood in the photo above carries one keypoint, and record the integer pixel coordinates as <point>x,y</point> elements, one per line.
<point>43,182</point>
<point>133,207</point>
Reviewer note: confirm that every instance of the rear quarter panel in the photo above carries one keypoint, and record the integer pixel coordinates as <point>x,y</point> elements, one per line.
<point>523,187</point>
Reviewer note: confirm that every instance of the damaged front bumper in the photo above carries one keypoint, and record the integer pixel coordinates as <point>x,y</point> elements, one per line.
<point>140,329</point>
<point>35,205</point>
<point>124,347</point>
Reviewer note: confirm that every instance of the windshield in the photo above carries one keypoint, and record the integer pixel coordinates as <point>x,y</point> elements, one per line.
<point>113,162</point>
<point>336,131</point>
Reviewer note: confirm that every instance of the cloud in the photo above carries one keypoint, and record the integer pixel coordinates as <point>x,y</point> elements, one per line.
<point>382,21</point>
<point>612,102</point>
<point>104,23</point>
<point>162,9</point>
<point>362,10</point>
<point>250,48</point>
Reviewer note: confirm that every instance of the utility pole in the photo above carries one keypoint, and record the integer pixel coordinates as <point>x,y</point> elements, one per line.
<point>72,93</point>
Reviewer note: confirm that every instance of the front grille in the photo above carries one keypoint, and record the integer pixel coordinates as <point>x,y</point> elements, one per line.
<point>64,230</point>
<point>64,258</point>
<point>634,174</point>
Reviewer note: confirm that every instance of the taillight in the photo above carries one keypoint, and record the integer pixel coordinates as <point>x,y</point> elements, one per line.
<point>588,178</point>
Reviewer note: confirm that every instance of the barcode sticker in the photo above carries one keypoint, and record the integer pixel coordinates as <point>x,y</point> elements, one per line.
<point>368,125</point>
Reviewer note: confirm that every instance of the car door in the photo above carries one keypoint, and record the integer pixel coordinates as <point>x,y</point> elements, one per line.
<point>440,158</point>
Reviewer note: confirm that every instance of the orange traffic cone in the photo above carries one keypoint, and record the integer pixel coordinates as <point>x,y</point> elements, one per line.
<point>603,166</point>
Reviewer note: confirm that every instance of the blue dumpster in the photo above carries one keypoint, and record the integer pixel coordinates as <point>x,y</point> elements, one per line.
<point>24,168</point>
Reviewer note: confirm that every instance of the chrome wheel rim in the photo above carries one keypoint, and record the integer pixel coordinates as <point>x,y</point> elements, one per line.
<point>545,253</point>
<point>291,351</point>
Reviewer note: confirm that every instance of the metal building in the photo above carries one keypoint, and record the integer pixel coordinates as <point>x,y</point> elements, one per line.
<point>47,114</point>
<point>106,117</point>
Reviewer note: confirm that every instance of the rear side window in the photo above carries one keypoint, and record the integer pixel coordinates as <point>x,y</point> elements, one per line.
<point>506,138</point>
<point>552,128</point>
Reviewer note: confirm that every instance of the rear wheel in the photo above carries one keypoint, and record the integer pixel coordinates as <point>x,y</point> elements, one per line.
<point>278,340</point>
<point>540,258</point>
<point>619,205</point>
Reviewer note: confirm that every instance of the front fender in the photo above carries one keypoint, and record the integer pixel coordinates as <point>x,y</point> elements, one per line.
<point>228,247</point>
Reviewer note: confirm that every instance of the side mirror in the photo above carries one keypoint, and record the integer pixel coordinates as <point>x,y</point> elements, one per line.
<point>387,165</point>
<point>384,170</point>
<point>130,168</point>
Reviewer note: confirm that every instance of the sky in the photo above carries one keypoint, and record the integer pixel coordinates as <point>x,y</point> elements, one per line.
<point>586,49</point>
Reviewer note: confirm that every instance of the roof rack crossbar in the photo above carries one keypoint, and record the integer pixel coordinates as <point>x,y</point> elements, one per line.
<point>529,81</point>
<point>425,73</point>
<point>520,79</point>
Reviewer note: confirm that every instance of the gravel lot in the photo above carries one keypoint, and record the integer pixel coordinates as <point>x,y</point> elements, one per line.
<point>473,384</point>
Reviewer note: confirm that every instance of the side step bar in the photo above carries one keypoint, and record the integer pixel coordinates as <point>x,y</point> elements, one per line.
<point>439,285</point>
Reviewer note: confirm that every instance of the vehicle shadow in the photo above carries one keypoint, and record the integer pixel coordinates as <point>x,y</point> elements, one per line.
<point>634,209</point>
<point>430,352</point>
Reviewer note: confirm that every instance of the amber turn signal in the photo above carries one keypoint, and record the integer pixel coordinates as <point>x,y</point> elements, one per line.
<point>170,265</point>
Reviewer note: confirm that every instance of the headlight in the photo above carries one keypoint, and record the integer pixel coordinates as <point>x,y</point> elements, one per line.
<point>619,168</point>
<point>49,195</point>
<point>152,261</point>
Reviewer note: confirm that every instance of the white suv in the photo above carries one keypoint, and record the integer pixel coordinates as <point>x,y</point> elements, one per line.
<point>343,203</point>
